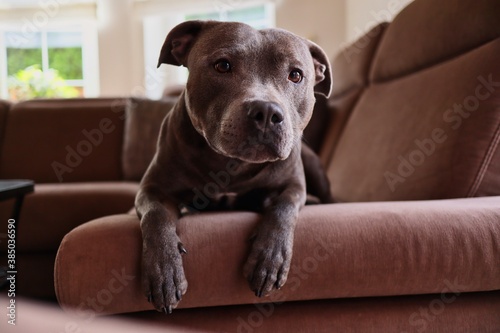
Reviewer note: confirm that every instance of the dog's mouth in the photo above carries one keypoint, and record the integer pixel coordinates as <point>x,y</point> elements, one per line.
<point>258,148</point>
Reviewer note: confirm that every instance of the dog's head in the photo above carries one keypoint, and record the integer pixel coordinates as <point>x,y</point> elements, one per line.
<point>250,92</point>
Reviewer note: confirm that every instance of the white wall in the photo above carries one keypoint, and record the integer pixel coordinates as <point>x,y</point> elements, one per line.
<point>155,30</point>
<point>120,48</point>
<point>322,21</point>
<point>362,15</point>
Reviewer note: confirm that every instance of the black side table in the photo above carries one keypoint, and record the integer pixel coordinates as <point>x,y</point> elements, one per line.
<point>17,189</point>
<point>13,189</point>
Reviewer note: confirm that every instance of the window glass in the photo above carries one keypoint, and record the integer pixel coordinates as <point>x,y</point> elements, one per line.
<point>247,14</point>
<point>257,16</point>
<point>22,52</point>
<point>45,64</point>
<point>207,16</point>
<point>65,54</point>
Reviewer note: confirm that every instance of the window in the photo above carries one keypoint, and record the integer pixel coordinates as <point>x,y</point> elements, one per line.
<point>49,64</point>
<point>259,17</point>
<point>48,49</point>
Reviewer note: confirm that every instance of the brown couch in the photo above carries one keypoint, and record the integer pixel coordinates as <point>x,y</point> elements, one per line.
<point>410,144</point>
<point>86,157</point>
<point>40,138</point>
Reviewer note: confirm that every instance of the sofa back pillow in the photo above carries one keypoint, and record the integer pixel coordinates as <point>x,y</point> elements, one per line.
<point>143,119</point>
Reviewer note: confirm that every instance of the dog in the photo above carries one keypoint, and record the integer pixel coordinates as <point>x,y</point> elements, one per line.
<point>249,95</point>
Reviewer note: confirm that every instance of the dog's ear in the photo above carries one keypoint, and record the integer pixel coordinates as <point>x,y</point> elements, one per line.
<point>180,39</point>
<point>322,69</point>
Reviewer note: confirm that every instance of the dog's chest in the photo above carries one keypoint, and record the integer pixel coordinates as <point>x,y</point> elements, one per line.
<point>219,189</point>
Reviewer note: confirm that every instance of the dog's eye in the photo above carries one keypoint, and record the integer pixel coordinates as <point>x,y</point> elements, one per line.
<point>223,66</point>
<point>295,76</point>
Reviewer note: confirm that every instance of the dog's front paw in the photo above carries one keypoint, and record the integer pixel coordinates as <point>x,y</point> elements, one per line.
<point>163,277</point>
<point>269,262</point>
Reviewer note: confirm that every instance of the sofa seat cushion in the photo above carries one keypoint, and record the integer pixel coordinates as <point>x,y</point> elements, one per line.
<point>340,250</point>
<point>53,210</point>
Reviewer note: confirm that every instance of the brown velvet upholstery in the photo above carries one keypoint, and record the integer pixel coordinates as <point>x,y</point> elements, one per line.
<point>351,69</point>
<point>34,135</point>
<point>424,35</point>
<point>430,130</point>
<point>366,249</point>
<point>50,213</point>
<point>89,131</point>
<point>62,207</point>
<point>142,126</point>
<point>471,312</point>
<point>351,66</point>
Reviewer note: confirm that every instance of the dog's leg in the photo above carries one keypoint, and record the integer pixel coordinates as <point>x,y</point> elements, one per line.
<point>163,279</point>
<point>269,261</point>
<point>316,179</point>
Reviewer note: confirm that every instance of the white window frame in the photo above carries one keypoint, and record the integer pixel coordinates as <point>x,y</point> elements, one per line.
<point>90,46</point>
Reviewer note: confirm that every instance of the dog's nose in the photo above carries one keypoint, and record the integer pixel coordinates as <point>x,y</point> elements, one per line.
<point>265,114</point>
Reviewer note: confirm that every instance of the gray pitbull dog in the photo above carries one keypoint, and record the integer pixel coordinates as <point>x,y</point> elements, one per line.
<point>238,124</point>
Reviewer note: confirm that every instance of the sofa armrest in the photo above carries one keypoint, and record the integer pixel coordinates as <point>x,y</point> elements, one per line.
<point>341,250</point>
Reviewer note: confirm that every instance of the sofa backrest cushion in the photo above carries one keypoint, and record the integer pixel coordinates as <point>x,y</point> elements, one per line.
<point>64,140</point>
<point>142,127</point>
<point>427,33</point>
<point>428,124</point>
<point>351,68</point>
